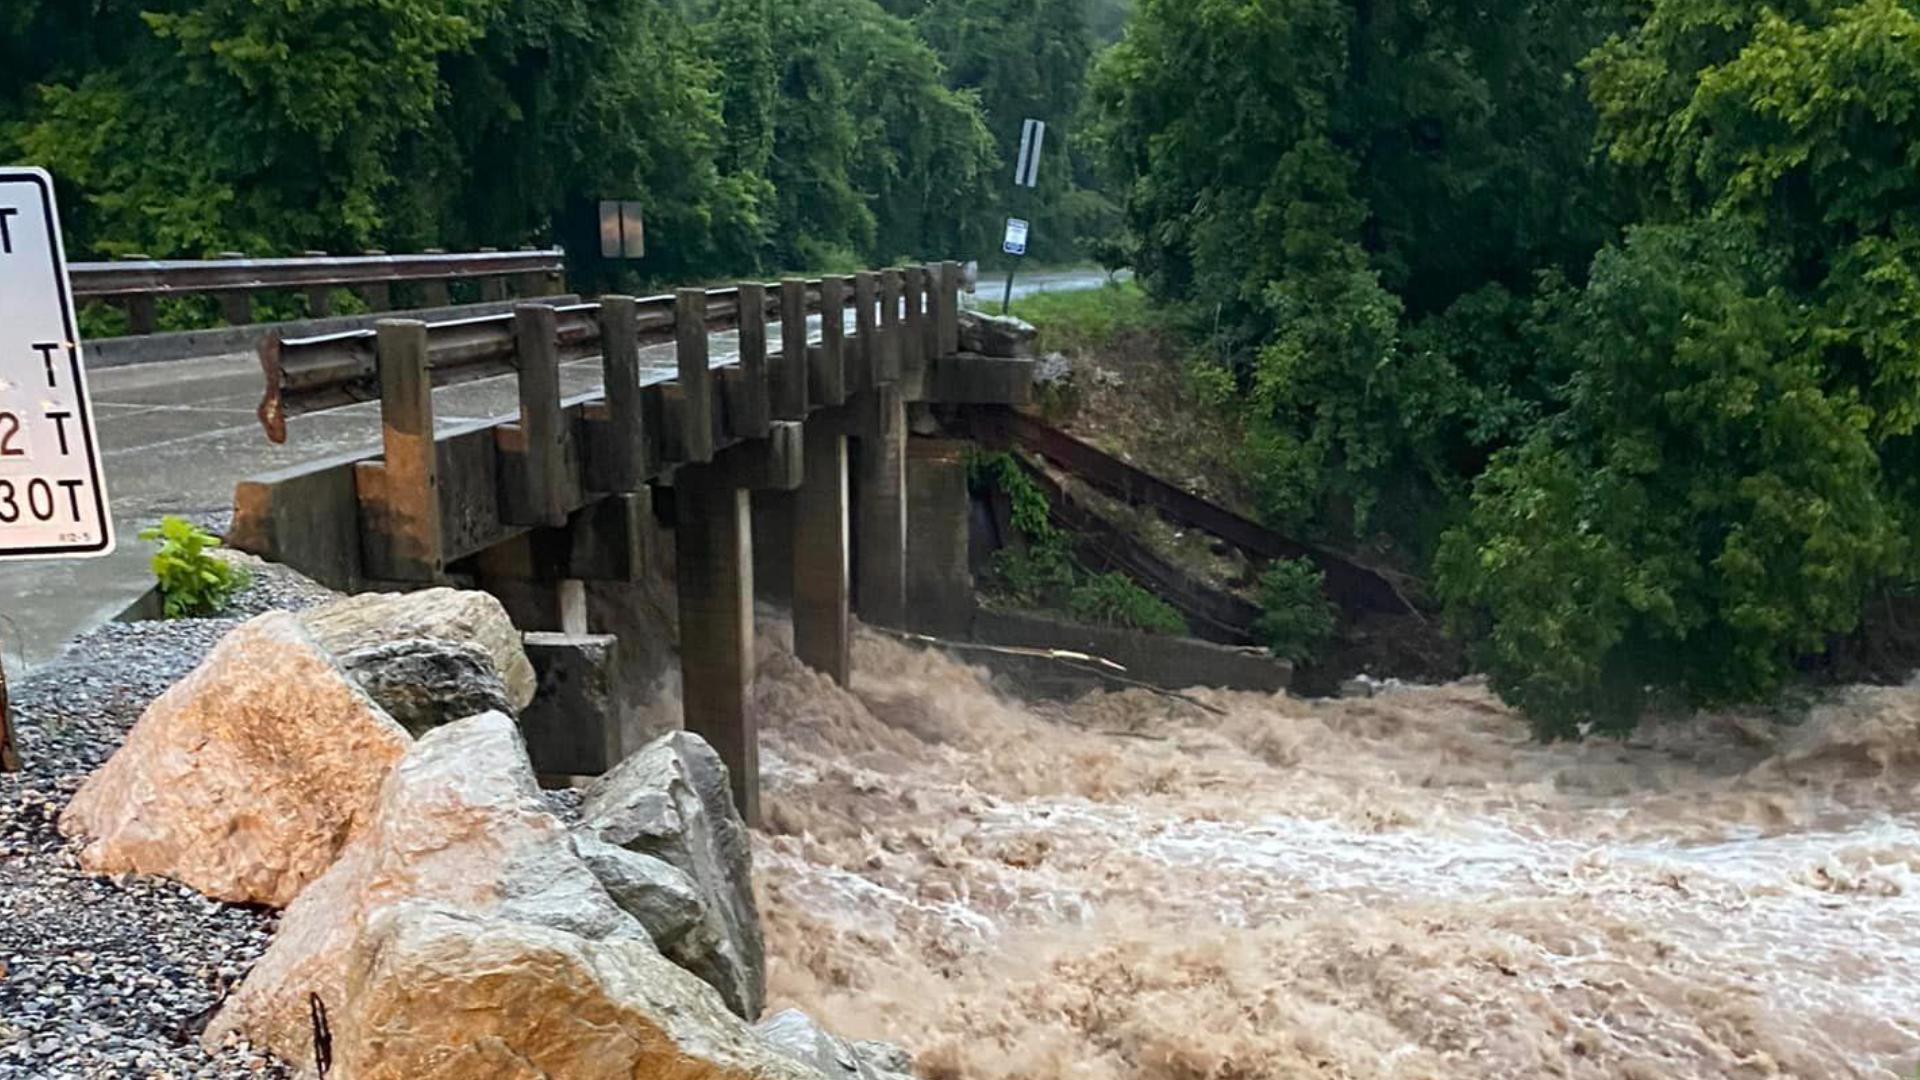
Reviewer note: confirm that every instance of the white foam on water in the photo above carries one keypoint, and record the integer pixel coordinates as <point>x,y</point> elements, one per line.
<point>1402,887</point>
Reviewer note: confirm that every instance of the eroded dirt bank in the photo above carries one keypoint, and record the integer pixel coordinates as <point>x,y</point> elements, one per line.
<point>1396,887</point>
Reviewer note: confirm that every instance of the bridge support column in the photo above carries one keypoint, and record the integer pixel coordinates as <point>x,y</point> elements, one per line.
<point>712,538</point>
<point>939,585</point>
<point>821,627</point>
<point>880,543</point>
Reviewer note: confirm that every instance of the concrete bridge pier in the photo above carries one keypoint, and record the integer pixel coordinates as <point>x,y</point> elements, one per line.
<point>880,544</point>
<point>713,542</point>
<point>939,582</point>
<point>822,626</point>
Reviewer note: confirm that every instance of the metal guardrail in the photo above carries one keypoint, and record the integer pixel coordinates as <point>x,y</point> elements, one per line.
<point>136,283</point>
<point>312,374</point>
<point>105,280</point>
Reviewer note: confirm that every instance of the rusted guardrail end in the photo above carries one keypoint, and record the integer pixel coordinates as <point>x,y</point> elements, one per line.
<point>272,411</point>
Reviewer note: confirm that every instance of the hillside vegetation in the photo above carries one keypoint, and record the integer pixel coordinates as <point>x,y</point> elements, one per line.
<point>758,136</point>
<point>1605,316</point>
<point>1604,320</point>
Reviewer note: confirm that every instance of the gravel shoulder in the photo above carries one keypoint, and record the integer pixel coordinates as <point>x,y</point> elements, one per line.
<point>114,976</point>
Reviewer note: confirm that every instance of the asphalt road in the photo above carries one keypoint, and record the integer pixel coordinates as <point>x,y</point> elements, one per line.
<point>178,436</point>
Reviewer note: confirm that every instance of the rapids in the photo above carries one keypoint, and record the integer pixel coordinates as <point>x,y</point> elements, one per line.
<point>1402,886</point>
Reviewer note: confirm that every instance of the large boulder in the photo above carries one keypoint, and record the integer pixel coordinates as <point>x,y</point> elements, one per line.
<point>426,682</point>
<point>672,801</point>
<point>439,994</point>
<point>1000,336</point>
<point>461,935</point>
<point>247,778</point>
<point>794,1034</point>
<point>459,822</point>
<point>358,622</point>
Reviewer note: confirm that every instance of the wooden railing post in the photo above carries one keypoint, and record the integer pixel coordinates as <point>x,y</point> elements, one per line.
<point>533,283</point>
<point>536,344</point>
<point>757,411</point>
<point>236,306</point>
<point>915,337</point>
<point>936,316</point>
<point>829,383</point>
<point>790,375</point>
<point>696,377</point>
<point>434,292</point>
<point>409,513</point>
<point>378,295</point>
<point>886,365</point>
<point>866,349</point>
<point>949,321</point>
<point>620,359</point>
<point>320,297</point>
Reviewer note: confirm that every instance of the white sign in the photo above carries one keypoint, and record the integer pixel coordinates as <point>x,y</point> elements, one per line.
<point>53,501</point>
<point>1016,241</point>
<point>1026,171</point>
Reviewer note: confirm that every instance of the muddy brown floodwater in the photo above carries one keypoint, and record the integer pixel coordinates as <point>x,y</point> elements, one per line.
<point>1406,886</point>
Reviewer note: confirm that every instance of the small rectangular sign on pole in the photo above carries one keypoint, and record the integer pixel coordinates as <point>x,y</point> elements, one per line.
<point>53,498</point>
<point>623,231</point>
<point>1016,240</point>
<point>1026,171</point>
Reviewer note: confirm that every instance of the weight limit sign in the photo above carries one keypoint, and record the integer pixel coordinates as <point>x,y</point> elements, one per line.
<point>53,499</point>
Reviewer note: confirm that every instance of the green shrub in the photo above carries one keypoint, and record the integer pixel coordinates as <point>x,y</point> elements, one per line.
<point>1704,512</point>
<point>192,582</point>
<point>1001,471</point>
<point>1035,576</point>
<point>1295,616</point>
<point>1114,599</point>
<point>1044,573</point>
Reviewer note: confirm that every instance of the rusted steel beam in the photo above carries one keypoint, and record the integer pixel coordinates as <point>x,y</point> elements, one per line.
<point>1352,586</point>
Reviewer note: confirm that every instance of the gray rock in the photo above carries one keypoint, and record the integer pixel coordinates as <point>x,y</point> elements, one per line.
<point>995,335</point>
<point>671,800</point>
<point>665,900</point>
<point>794,1033</point>
<point>464,615</point>
<point>427,682</point>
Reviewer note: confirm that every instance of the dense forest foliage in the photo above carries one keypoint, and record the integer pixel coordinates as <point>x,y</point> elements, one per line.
<point>1604,314</point>
<point>758,136</point>
<point>1604,318</point>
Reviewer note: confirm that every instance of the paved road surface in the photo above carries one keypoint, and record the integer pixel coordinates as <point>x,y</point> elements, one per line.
<point>177,437</point>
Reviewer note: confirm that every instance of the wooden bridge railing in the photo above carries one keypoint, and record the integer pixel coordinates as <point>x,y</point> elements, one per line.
<point>135,283</point>
<point>429,500</point>
<point>326,371</point>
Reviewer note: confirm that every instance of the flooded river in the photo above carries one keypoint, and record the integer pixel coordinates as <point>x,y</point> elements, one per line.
<point>1404,886</point>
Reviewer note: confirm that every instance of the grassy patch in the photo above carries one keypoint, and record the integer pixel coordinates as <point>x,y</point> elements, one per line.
<point>1087,319</point>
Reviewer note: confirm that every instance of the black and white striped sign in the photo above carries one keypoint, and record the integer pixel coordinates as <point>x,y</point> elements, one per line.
<point>1026,173</point>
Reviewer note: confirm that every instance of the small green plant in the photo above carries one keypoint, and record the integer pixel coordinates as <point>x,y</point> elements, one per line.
<point>1295,616</point>
<point>1034,576</point>
<point>1044,572</point>
<point>1114,599</point>
<point>192,582</point>
<point>1001,471</point>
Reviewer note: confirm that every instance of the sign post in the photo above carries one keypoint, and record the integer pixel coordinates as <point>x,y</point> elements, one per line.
<point>1015,244</point>
<point>53,498</point>
<point>1026,174</point>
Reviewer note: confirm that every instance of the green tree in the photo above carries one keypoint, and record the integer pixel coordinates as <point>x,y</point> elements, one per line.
<point>1705,510</point>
